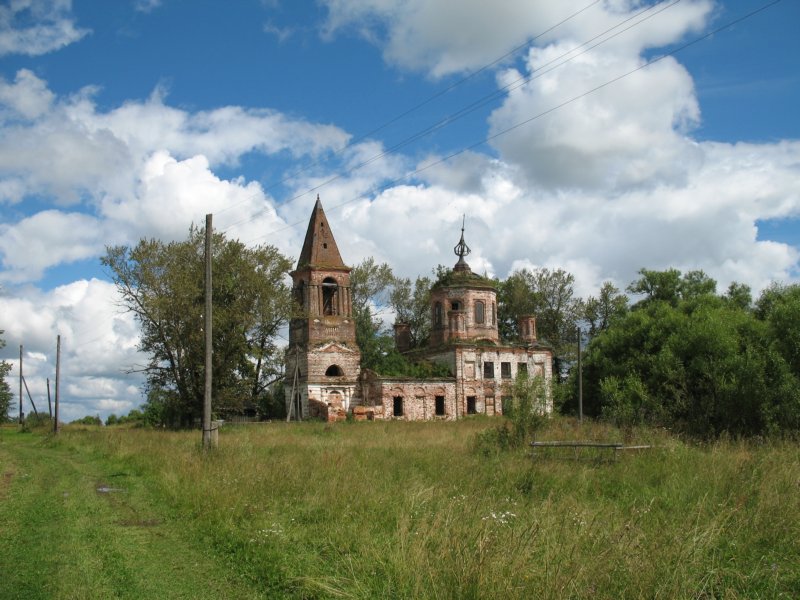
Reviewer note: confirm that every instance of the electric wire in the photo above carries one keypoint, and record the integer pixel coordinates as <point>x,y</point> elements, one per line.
<point>441,160</point>
<point>421,104</point>
<point>477,104</point>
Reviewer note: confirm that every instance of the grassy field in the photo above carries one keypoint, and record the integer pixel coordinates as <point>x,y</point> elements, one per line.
<point>393,510</point>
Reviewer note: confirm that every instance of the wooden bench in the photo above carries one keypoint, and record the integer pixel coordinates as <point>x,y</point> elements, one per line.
<point>616,447</point>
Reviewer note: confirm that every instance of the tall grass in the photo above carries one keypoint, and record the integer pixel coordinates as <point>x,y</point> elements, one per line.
<point>411,510</point>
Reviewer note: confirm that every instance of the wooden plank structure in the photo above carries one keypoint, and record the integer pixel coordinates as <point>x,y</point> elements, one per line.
<point>613,447</point>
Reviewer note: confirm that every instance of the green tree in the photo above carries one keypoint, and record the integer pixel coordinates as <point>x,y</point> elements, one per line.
<point>412,305</point>
<point>611,304</point>
<point>700,363</point>
<point>548,294</point>
<point>5,389</point>
<point>163,285</point>
<point>371,285</point>
<point>779,306</point>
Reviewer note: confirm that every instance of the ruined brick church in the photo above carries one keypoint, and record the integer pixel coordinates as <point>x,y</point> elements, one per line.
<point>324,378</point>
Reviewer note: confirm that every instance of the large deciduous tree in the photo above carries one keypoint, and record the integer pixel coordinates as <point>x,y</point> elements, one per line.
<point>163,285</point>
<point>548,294</point>
<point>371,285</point>
<point>412,305</point>
<point>687,358</point>
<point>5,389</point>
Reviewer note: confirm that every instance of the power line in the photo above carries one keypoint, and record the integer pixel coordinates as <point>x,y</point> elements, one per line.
<point>421,104</point>
<point>480,103</point>
<point>548,111</point>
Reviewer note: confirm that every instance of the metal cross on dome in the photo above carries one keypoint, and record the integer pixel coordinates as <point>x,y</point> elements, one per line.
<point>461,249</point>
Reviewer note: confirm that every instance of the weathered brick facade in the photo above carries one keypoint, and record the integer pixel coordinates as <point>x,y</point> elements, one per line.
<point>323,373</point>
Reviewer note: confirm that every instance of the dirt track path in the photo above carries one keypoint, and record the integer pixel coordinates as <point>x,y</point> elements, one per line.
<point>77,526</point>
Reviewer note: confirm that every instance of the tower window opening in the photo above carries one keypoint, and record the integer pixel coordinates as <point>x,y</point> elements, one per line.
<point>455,305</point>
<point>330,296</point>
<point>479,312</point>
<point>334,371</point>
<point>437,314</point>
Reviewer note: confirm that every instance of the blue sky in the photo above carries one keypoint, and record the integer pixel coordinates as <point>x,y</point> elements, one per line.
<point>130,119</point>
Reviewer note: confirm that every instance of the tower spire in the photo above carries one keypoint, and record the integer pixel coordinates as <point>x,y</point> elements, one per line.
<point>461,250</point>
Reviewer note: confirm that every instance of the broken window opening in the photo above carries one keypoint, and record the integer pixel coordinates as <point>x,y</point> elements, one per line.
<point>471,406</point>
<point>505,370</point>
<point>522,370</point>
<point>439,400</point>
<point>437,314</point>
<point>334,371</point>
<point>330,296</point>
<point>479,312</point>
<point>488,370</point>
<point>397,406</point>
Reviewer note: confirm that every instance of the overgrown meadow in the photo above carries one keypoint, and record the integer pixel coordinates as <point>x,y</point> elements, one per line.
<point>424,510</point>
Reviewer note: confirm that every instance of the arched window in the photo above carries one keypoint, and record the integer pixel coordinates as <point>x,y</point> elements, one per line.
<point>334,371</point>
<point>330,296</point>
<point>437,314</point>
<point>480,312</point>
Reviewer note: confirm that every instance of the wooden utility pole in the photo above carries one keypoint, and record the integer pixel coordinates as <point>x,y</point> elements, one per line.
<point>49,403</point>
<point>209,341</point>
<point>21,418</point>
<point>58,377</point>
<point>580,380</point>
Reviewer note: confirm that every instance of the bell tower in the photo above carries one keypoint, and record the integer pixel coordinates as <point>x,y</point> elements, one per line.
<point>322,360</point>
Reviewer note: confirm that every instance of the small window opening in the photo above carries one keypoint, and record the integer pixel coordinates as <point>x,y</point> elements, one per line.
<point>397,406</point>
<point>522,370</point>
<point>479,312</point>
<point>471,410</point>
<point>505,370</point>
<point>488,370</point>
<point>439,406</point>
<point>455,305</point>
<point>437,314</point>
<point>334,371</point>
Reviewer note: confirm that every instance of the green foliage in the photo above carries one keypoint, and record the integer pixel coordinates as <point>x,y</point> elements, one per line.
<point>608,307</point>
<point>87,420</point>
<point>370,285</point>
<point>395,364</point>
<point>627,402</point>
<point>412,305</point>
<point>525,403</point>
<point>37,422</point>
<point>548,294</point>
<point>163,285</point>
<point>689,359</point>
<point>272,403</point>
<point>671,287</point>
<point>5,389</point>
<point>134,417</point>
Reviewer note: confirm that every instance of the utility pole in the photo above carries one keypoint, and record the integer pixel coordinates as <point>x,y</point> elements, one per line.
<point>21,418</point>
<point>49,403</point>
<point>580,380</point>
<point>58,377</point>
<point>209,341</point>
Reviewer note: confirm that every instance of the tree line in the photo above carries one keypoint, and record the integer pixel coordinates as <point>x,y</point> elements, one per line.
<point>681,356</point>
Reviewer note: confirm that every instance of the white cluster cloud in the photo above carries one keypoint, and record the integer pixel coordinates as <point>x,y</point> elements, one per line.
<point>52,26</point>
<point>98,347</point>
<point>610,182</point>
